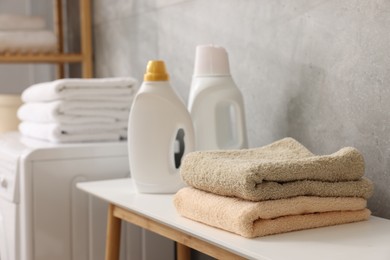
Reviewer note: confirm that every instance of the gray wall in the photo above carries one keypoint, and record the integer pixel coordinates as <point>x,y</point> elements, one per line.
<point>315,70</point>
<point>17,77</point>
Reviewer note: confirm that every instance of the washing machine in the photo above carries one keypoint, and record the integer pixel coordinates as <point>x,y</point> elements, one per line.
<point>43,216</point>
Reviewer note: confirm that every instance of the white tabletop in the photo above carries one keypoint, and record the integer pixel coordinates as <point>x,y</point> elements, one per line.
<point>357,241</point>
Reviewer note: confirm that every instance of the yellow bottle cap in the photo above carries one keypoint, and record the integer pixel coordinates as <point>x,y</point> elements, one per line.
<point>155,71</point>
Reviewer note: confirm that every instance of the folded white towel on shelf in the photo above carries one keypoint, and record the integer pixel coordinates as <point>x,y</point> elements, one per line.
<point>62,133</point>
<point>74,112</point>
<point>31,42</point>
<point>21,22</point>
<point>109,89</point>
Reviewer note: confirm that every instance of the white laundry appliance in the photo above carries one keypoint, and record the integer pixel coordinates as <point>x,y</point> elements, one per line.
<point>43,216</point>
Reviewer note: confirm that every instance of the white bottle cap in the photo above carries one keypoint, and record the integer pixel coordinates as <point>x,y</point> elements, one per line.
<point>211,60</point>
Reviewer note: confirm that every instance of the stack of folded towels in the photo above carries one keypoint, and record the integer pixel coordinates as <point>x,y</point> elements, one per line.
<point>24,34</point>
<point>273,189</point>
<point>77,110</point>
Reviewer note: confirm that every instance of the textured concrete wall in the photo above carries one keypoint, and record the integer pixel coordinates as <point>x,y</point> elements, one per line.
<point>315,70</point>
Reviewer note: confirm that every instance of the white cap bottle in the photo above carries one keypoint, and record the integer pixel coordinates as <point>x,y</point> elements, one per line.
<point>215,103</point>
<point>160,133</point>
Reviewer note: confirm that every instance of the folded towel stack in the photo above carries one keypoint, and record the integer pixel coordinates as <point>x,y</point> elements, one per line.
<point>77,110</point>
<point>273,189</point>
<point>25,34</point>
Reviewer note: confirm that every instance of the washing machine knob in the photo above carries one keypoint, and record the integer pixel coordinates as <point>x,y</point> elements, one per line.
<point>3,182</point>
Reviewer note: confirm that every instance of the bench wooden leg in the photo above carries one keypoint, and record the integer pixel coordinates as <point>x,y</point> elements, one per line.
<point>183,252</point>
<point>113,235</point>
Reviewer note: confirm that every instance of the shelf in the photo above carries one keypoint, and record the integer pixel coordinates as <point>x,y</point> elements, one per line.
<point>60,58</point>
<point>42,58</point>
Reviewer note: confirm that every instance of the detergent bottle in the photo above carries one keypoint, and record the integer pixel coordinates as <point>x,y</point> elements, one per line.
<point>160,133</point>
<point>215,103</point>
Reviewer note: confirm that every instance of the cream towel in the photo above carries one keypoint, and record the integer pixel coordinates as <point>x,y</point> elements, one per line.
<point>27,42</point>
<point>251,219</point>
<point>110,89</point>
<point>21,22</point>
<point>73,111</point>
<point>284,164</point>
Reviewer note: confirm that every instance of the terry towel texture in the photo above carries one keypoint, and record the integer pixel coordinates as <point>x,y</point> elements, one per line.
<point>71,133</point>
<point>72,112</point>
<point>77,110</point>
<point>280,170</point>
<point>252,219</point>
<point>59,129</point>
<point>112,89</point>
<point>273,189</point>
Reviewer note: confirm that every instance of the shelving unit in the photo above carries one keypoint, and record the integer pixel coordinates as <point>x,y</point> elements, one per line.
<point>60,57</point>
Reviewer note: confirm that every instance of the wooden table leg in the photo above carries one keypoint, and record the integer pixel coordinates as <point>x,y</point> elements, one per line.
<point>113,235</point>
<point>183,252</point>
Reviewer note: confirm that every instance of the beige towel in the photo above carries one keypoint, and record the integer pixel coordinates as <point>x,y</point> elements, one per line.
<point>280,170</point>
<point>273,190</point>
<point>251,219</point>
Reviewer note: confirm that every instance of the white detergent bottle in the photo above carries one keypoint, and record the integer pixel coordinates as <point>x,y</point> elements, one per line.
<point>160,133</point>
<point>215,103</point>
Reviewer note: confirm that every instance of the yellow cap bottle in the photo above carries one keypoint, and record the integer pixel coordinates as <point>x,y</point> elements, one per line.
<point>155,71</point>
<point>160,133</point>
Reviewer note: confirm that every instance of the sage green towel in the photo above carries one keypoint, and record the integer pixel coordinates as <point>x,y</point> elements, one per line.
<point>282,169</point>
<point>252,219</point>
